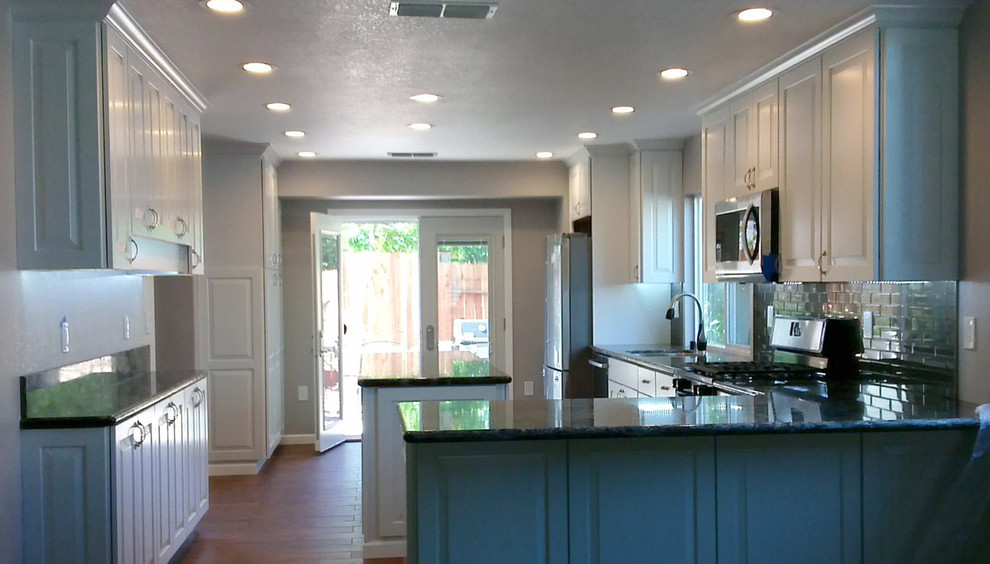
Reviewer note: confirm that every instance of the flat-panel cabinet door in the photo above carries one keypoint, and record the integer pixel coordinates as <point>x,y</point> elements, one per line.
<point>800,172</point>
<point>739,145</point>
<point>646,382</point>
<point>661,217</point>
<point>789,498</point>
<point>849,159</point>
<point>134,489</point>
<point>641,500</point>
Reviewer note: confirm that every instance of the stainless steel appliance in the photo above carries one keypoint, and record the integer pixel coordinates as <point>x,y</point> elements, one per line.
<point>746,233</point>
<point>805,348</point>
<point>566,371</point>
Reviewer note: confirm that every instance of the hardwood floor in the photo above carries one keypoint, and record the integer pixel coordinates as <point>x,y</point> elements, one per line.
<point>302,508</point>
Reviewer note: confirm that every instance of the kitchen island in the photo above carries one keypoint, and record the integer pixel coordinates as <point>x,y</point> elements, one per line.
<point>768,478</point>
<point>383,469</point>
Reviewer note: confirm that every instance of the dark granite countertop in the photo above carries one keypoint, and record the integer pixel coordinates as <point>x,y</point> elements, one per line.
<point>487,376</point>
<point>777,411</point>
<point>97,393</point>
<point>674,364</point>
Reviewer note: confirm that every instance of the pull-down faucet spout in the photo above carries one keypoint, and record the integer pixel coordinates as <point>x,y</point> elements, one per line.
<point>702,342</point>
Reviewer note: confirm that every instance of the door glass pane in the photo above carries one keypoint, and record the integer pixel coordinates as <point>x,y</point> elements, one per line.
<point>329,331</point>
<point>463,332</point>
<point>381,300</point>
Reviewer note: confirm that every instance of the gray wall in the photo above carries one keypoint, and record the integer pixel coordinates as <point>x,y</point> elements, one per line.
<point>31,306</point>
<point>532,220</point>
<point>974,291</point>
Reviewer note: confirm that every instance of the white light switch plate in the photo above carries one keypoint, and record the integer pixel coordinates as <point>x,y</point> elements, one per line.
<point>64,330</point>
<point>303,393</point>
<point>127,327</point>
<point>528,388</point>
<point>867,324</point>
<point>969,333</point>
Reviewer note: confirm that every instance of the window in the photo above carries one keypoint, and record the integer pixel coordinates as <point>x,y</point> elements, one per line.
<point>728,307</point>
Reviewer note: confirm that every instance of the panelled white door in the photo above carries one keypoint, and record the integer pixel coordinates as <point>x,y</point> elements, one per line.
<point>462,294</point>
<point>328,330</point>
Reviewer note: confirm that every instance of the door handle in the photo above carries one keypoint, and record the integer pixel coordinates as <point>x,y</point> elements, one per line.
<point>431,338</point>
<point>596,364</point>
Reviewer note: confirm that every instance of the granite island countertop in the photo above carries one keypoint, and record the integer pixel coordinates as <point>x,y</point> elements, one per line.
<point>486,377</point>
<point>774,412</point>
<point>97,393</point>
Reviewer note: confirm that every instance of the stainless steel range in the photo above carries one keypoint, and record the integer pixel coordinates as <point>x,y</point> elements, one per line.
<point>805,349</point>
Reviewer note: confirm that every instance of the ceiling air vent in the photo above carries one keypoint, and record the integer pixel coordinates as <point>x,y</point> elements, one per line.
<point>413,155</point>
<point>465,11</point>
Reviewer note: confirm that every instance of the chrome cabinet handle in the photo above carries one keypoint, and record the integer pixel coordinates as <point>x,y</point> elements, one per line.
<point>198,397</point>
<point>138,434</point>
<point>274,259</point>
<point>646,381</point>
<point>174,410</point>
<point>597,364</point>
<point>131,242</point>
<point>820,268</point>
<point>156,218</point>
<point>185,227</point>
<point>195,255</point>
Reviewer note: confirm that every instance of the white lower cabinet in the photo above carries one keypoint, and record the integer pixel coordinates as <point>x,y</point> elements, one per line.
<point>131,493</point>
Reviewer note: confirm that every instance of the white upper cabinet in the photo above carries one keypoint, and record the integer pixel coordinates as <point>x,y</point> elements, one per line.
<point>657,214</point>
<point>714,153</point>
<point>580,188</point>
<point>752,141</point>
<point>868,152</point>
<point>107,136</point>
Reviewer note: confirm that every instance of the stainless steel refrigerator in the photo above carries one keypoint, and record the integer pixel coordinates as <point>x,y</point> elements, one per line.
<point>566,372</point>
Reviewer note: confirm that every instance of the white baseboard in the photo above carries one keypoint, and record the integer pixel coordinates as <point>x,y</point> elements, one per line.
<point>305,439</point>
<point>385,549</point>
<point>235,468</point>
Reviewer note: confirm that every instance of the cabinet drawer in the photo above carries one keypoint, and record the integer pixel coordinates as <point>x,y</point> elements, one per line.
<point>617,390</point>
<point>665,385</point>
<point>623,373</point>
<point>646,382</point>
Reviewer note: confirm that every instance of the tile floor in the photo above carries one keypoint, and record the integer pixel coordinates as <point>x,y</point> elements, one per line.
<point>302,508</point>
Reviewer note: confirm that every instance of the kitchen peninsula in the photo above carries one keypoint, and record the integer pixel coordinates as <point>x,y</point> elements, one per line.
<point>383,470</point>
<point>769,478</point>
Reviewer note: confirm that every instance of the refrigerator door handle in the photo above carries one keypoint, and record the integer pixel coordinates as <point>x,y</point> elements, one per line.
<point>596,364</point>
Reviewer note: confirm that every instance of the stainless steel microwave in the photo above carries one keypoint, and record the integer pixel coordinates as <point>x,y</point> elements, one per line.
<point>746,233</point>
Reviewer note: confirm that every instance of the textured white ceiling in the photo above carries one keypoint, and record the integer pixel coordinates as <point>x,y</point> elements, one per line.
<point>527,80</point>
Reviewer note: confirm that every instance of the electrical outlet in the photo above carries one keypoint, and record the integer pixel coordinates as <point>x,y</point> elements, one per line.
<point>528,388</point>
<point>770,316</point>
<point>64,330</point>
<point>127,327</point>
<point>969,333</point>
<point>867,324</point>
<point>303,393</point>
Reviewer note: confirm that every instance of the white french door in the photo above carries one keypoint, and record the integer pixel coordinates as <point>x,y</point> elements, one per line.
<point>329,328</point>
<point>462,265</point>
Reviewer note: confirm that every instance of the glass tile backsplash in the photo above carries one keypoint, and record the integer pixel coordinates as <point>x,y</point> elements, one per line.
<point>913,322</point>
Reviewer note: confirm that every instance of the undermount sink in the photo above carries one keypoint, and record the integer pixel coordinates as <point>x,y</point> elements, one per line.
<point>664,352</point>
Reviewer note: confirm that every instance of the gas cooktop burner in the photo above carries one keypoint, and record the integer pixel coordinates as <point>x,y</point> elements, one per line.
<point>753,370</point>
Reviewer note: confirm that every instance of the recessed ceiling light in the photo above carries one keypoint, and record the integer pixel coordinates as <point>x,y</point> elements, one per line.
<point>425,98</point>
<point>544,155</point>
<point>673,74</point>
<point>754,15</point>
<point>587,135</point>
<point>306,154</point>
<point>225,6</point>
<point>294,133</point>
<point>258,67</point>
<point>623,110</point>
<point>420,126</point>
<point>278,106</point>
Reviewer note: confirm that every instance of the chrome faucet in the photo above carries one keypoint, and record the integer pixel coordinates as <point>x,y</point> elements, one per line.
<point>702,342</point>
